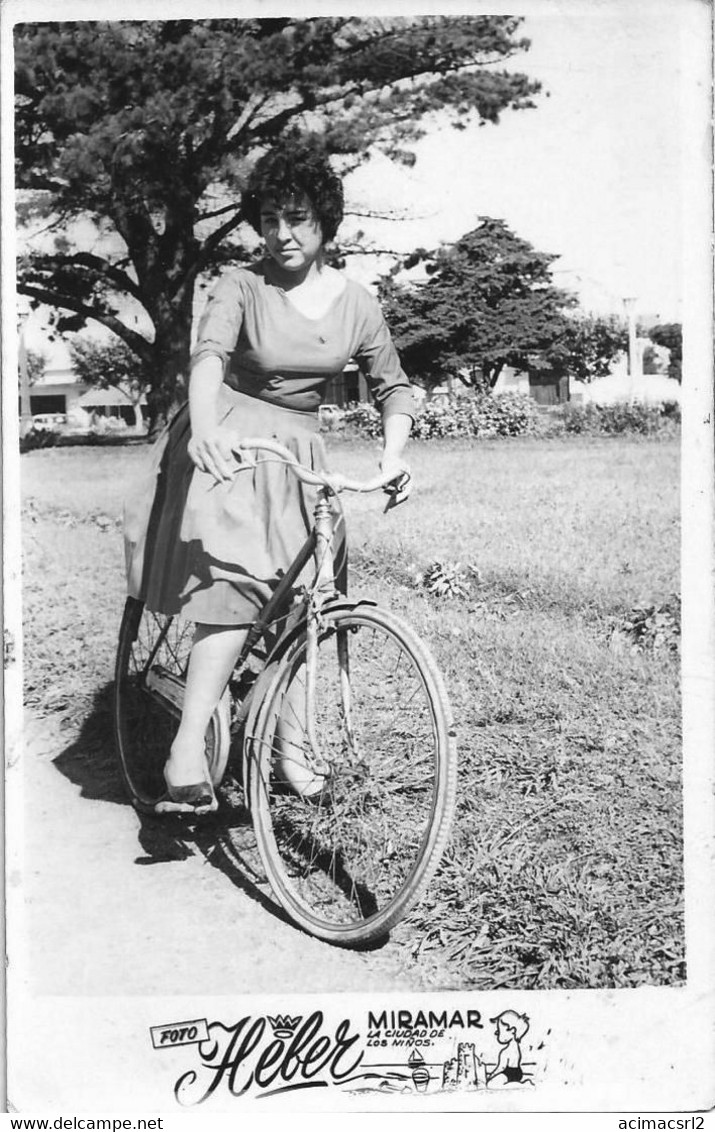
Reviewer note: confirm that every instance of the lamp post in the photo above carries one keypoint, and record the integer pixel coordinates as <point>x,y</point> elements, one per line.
<point>633,367</point>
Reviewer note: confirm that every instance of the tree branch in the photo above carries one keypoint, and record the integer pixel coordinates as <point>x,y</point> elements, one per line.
<point>59,221</point>
<point>254,104</point>
<point>129,211</point>
<point>360,249</point>
<point>216,212</point>
<point>207,249</point>
<point>137,342</point>
<point>113,274</point>
<point>38,183</point>
<point>274,125</point>
<point>392,214</point>
<point>223,136</point>
<point>271,126</point>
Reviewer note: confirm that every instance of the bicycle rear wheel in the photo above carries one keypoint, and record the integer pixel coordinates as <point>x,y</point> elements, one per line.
<point>348,866</point>
<point>152,658</point>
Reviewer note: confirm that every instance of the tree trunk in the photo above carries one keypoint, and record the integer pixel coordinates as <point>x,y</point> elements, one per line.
<point>166,267</point>
<point>138,417</point>
<point>172,353</point>
<point>492,374</point>
<point>467,375</point>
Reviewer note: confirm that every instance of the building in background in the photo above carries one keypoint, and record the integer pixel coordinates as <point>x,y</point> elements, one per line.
<point>61,391</point>
<point>348,388</point>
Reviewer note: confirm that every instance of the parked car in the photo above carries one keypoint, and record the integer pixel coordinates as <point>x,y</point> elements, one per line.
<point>330,415</point>
<point>45,421</point>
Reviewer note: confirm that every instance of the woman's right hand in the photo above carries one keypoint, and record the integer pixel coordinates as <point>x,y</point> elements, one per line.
<point>212,450</point>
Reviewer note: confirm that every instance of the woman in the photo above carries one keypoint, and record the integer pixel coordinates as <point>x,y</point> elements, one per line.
<point>214,542</point>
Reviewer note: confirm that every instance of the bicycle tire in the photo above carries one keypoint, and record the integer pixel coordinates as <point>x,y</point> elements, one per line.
<point>348,868</point>
<point>155,647</point>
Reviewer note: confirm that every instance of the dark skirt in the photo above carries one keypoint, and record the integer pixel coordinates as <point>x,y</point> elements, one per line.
<point>214,552</point>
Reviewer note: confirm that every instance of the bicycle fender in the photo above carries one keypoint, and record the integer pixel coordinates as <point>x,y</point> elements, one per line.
<point>332,605</point>
<point>258,695</point>
<point>346,603</point>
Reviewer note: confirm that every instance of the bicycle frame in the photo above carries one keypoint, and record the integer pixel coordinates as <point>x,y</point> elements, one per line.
<point>318,545</point>
<point>325,587</point>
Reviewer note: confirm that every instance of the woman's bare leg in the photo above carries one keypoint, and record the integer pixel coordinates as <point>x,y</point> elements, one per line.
<point>214,653</point>
<point>294,752</point>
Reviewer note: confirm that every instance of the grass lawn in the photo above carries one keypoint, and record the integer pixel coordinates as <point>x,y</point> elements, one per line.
<point>565,865</point>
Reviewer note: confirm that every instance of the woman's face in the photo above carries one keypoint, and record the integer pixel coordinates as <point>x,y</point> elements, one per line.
<point>291,231</point>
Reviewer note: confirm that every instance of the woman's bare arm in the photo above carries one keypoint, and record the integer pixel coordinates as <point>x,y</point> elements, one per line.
<point>210,446</point>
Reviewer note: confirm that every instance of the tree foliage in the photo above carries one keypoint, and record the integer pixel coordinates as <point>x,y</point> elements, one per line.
<point>36,362</point>
<point>650,361</point>
<point>670,335</point>
<point>109,365</point>
<point>590,345</point>
<point>490,301</point>
<point>147,128</point>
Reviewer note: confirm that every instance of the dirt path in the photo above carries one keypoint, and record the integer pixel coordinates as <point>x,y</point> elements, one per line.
<point>121,906</point>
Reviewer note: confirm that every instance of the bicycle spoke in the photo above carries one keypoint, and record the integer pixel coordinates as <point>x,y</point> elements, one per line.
<point>144,728</point>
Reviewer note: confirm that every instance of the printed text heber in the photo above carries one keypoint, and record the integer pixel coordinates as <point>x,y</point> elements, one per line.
<point>237,1057</point>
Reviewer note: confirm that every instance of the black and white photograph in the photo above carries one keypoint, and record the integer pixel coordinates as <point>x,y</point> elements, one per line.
<point>358,557</point>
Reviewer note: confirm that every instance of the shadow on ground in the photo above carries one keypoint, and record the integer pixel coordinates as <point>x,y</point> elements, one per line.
<point>225,839</point>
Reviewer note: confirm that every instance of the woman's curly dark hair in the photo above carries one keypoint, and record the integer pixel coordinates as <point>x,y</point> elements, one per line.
<point>291,168</point>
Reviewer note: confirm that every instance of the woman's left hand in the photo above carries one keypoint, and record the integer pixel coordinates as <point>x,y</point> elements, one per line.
<point>399,490</point>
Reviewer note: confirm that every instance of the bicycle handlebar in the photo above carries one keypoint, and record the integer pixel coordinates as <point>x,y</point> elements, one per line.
<point>334,481</point>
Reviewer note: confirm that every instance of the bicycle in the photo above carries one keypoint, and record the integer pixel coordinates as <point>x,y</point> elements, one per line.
<point>367,701</point>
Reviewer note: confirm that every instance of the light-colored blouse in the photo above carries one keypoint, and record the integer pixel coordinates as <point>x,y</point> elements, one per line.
<point>270,350</point>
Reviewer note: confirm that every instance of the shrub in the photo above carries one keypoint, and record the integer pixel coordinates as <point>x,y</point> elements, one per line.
<point>549,422</point>
<point>446,579</point>
<point>514,414</point>
<point>484,415</point>
<point>39,438</point>
<point>439,419</point>
<point>621,417</point>
<point>582,418</point>
<point>506,414</point>
<point>363,420</point>
<point>626,417</point>
<point>671,410</point>
<point>652,627</point>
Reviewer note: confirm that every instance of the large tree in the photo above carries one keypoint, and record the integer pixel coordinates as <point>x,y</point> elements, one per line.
<point>146,130</point>
<point>489,301</point>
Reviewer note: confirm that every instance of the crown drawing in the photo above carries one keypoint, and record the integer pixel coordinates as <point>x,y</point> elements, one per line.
<point>283,1025</point>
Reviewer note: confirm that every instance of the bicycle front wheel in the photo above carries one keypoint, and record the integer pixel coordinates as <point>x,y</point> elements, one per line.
<point>348,865</point>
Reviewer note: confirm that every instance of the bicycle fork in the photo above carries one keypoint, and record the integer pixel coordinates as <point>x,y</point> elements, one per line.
<point>324,583</point>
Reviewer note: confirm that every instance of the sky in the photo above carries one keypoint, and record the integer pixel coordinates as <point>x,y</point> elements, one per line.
<point>593,174</point>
